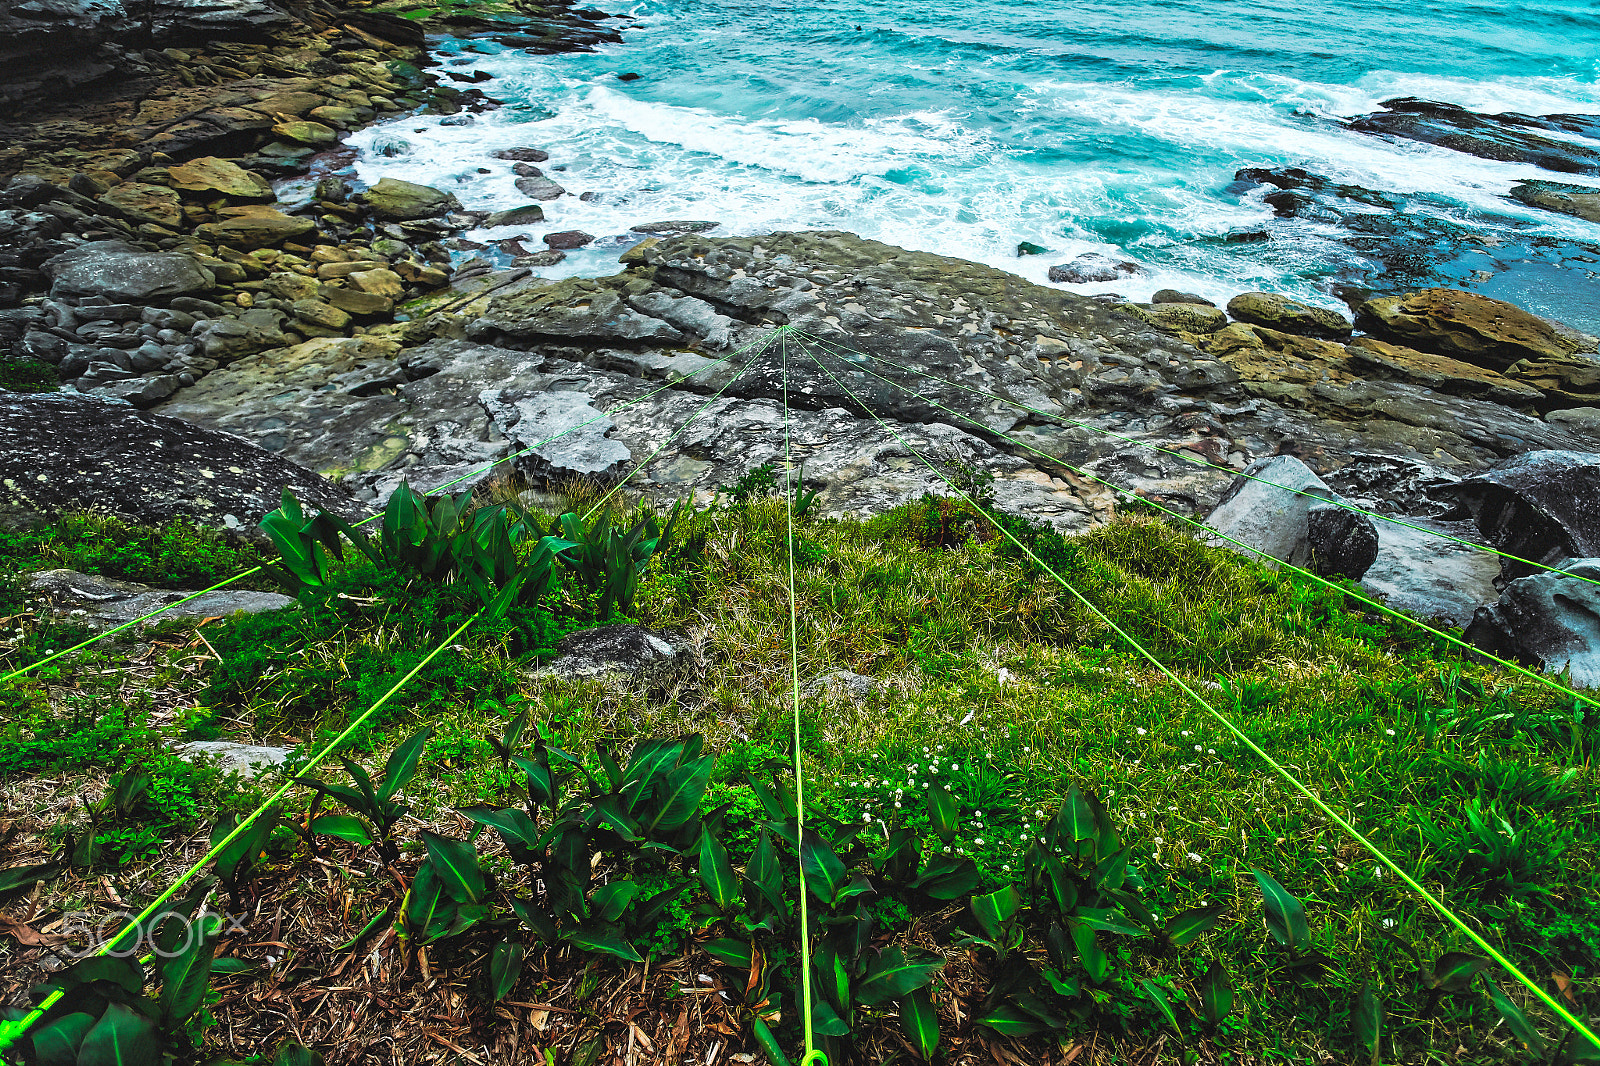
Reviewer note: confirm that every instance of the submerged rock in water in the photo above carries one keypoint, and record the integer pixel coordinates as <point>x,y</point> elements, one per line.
<point>1549,619</point>
<point>1093,267</point>
<point>1581,201</point>
<point>1486,136</point>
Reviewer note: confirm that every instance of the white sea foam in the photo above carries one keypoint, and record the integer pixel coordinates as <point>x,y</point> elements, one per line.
<point>1123,169</point>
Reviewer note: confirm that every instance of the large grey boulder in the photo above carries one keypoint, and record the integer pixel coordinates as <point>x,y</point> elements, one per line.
<point>246,760</point>
<point>62,452</point>
<point>113,270</point>
<point>104,602</point>
<point>1552,620</point>
<point>1543,506</point>
<point>1283,510</point>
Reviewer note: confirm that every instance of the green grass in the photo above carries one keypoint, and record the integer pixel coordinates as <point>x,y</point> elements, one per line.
<point>175,555</point>
<point>980,659</point>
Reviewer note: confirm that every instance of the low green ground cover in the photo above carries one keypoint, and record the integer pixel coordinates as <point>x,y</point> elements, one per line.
<point>989,680</point>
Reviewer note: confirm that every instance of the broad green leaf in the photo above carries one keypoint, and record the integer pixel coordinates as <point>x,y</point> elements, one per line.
<point>826,1021</point>
<point>505,966</point>
<point>456,863</point>
<point>892,975</point>
<point>1216,993</point>
<point>344,826</point>
<point>765,875</point>
<point>716,873</point>
<point>948,878</point>
<point>1107,921</point>
<point>1519,1023</point>
<point>422,900</point>
<point>825,872</point>
<point>921,1023</point>
<point>1090,954</point>
<point>121,1038</point>
<point>769,1043</point>
<point>1163,1002</point>
<point>993,910</point>
<point>1368,1019</point>
<point>402,764</point>
<point>1075,821</point>
<point>730,952</point>
<point>610,901</point>
<point>942,814</point>
<point>613,811</point>
<point>230,967</point>
<point>1454,970</point>
<point>56,1044</point>
<point>1065,986</point>
<point>604,941</point>
<point>1183,928</point>
<point>122,970</point>
<point>680,795</point>
<point>513,822</point>
<point>541,787</point>
<point>1286,918</point>
<point>535,919</point>
<point>187,976</point>
<point>1011,1020</point>
<point>25,876</point>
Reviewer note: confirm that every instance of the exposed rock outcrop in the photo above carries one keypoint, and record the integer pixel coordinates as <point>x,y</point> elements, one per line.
<point>1547,619</point>
<point>1502,137</point>
<point>66,452</point>
<point>104,602</point>
<point>1465,326</point>
<point>1543,506</point>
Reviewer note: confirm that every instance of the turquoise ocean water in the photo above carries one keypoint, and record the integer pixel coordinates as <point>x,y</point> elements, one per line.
<point>1079,125</point>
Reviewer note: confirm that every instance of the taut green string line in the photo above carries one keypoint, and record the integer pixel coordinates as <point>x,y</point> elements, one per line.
<point>1293,781</point>
<point>371,518</point>
<point>1540,678</point>
<point>1189,458</point>
<point>11,1032</point>
<point>767,343</point>
<point>812,1054</point>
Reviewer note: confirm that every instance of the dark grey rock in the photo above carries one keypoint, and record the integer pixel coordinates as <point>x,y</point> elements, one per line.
<point>1549,619</point>
<point>63,452</point>
<point>1343,542</point>
<point>663,228</point>
<point>1173,296</point>
<point>1542,505</point>
<point>110,269</point>
<point>625,649</point>
<point>1486,136</point>
<point>104,602</point>
<point>539,189</point>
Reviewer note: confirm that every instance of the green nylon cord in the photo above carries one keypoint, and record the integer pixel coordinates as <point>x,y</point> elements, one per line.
<point>812,1054</point>
<point>371,518</point>
<point>1540,678</point>
<point>1193,459</point>
<point>1278,768</point>
<point>12,1032</point>
<point>702,410</point>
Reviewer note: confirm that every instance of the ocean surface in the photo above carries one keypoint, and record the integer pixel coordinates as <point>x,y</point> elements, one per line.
<point>964,128</point>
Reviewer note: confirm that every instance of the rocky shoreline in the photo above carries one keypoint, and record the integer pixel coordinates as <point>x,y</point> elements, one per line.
<point>210,276</point>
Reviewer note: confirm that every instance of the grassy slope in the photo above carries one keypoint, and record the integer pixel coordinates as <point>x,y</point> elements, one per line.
<point>978,657</point>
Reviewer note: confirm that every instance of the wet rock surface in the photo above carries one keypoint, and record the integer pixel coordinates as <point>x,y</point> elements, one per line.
<point>1502,137</point>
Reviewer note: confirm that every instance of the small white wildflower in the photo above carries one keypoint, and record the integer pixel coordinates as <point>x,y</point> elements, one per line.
<point>1388,923</point>
<point>947,849</point>
<point>1038,813</point>
<point>978,841</point>
<point>1195,858</point>
<point>897,805</point>
<point>1389,731</point>
<point>1140,730</point>
<point>1160,840</point>
<point>1211,751</point>
<point>1199,747</point>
